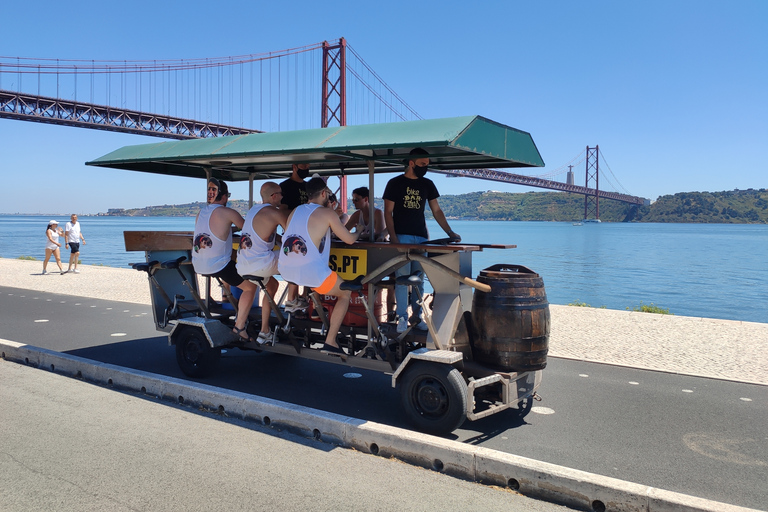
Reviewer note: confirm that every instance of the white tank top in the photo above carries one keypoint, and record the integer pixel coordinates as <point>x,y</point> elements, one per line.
<point>300,261</point>
<point>55,235</point>
<point>209,253</point>
<point>254,254</point>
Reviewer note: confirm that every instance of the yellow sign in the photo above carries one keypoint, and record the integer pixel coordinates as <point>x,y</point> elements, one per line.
<point>348,263</point>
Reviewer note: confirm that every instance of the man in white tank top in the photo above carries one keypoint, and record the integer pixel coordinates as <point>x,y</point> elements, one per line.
<point>306,248</point>
<point>257,254</point>
<point>212,251</point>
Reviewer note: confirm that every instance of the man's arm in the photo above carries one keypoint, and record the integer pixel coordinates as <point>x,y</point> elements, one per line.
<point>282,216</point>
<point>389,220</point>
<point>439,216</point>
<point>352,222</point>
<point>338,228</point>
<point>222,220</point>
<point>235,218</point>
<point>379,224</point>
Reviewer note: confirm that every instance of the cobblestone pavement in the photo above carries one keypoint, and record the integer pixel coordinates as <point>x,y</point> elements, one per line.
<point>723,349</point>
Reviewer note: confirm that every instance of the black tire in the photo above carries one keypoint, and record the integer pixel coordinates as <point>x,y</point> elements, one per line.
<point>524,407</point>
<point>434,397</point>
<point>194,354</point>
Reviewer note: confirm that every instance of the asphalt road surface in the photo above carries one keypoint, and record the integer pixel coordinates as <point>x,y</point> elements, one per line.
<point>696,436</point>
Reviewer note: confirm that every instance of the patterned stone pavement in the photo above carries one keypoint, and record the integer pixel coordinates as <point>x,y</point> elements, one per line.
<point>706,347</point>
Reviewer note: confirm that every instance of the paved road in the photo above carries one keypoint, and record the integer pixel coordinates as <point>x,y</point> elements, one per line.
<point>692,435</point>
<point>71,446</point>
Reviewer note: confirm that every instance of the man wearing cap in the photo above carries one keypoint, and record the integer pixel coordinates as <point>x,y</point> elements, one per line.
<point>72,237</point>
<point>295,194</point>
<point>212,251</point>
<point>405,199</point>
<point>309,228</point>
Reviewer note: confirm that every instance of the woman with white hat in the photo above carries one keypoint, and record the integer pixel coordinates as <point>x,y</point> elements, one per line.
<point>52,246</point>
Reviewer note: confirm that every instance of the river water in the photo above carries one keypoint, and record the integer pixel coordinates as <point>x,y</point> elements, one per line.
<point>703,270</point>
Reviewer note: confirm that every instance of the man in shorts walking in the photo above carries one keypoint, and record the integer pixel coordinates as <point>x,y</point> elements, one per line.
<point>72,237</point>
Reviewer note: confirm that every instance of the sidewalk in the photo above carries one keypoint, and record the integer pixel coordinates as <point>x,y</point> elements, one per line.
<point>723,349</point>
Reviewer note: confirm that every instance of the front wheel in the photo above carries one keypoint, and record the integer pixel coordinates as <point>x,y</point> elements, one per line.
<point>434,397</point>
<point>194,354</point>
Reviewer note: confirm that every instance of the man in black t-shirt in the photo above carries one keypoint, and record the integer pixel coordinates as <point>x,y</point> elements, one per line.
<point>405,199</point>
<point>293,189</point>
<point>295,194</point>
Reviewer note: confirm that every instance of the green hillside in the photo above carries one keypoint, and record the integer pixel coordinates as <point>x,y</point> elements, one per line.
<point>736,206</point>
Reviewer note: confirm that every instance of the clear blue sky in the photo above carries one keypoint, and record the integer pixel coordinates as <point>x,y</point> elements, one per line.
<point>674,92</point>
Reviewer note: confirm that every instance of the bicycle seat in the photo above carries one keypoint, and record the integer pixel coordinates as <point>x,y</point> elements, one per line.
<point>144,266</point>
<point>250,277</point>
<point>356,285</point>
<point>173,263</point>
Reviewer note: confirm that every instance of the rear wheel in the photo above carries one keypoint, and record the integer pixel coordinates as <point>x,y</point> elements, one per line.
<point>434,397</point>
<point>194,354</point>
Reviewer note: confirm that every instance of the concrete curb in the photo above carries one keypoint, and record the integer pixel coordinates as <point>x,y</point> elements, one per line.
<point>570,487</point>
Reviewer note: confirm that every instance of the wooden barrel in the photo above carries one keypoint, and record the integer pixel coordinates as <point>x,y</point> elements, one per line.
<point>511,322</point>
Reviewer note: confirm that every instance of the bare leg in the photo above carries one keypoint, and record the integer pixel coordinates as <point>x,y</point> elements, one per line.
<point>57,254</point>
<point>339,311</point>
<point>293,291</point>
<point>265,306</point>
<point>73,258</point>
<point>48,253</point>
<point>244,303</point>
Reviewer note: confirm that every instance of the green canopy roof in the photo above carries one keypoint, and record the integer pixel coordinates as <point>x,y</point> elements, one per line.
<point>453,143</point>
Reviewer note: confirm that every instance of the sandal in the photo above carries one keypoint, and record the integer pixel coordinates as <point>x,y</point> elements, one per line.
<point>240,332</point>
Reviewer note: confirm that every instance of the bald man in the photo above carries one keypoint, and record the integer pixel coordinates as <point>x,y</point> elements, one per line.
<point>257,255</point>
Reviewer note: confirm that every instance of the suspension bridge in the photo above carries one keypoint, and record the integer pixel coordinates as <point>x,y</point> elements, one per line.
<point>214,97</point>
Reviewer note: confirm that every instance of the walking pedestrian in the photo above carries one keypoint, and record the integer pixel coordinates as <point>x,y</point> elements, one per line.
<point>73,236</point>
<point>53,246</point>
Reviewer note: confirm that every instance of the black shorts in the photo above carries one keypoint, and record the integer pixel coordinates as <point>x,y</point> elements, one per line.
<point>74,247</point>
<point>229,274</point>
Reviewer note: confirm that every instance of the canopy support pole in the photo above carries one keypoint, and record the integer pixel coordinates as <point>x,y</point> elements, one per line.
<point>371,207</point>
<point>250,189</point>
